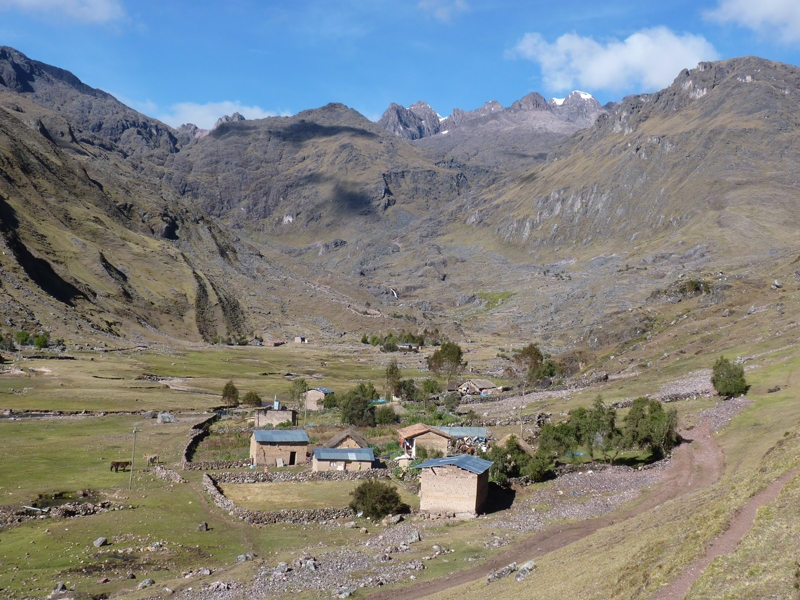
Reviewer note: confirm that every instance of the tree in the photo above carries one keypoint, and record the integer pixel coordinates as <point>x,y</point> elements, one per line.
<point>530,360</point>
<point>407,390</point>
<point>41,341</point>
<point>557,439</point>
<point>230,395</point>
<point>251,399</point>
<point>298,389</point>
<point>23,337</point>
<point>376,499</point>
<point>392,377</point>
<point>649,426</point>
<point>447,360</point>
<point>728,378</point>
<point>355,407</point>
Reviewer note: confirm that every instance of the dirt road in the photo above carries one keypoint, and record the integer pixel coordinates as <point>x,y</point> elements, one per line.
<point>695,464</point>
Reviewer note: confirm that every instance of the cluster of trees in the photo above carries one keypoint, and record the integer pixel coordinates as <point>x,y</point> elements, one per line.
<point>535,364</point>
<point>389,343</point>
<point>407,389</point>
<point>647,426</point>
<point>23,338</point>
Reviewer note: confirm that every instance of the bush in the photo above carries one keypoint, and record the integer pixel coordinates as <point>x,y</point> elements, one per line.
<point>41,341</point>
<point>251,399</point>
<point>385,415</point>
<point>728,378</point>
<point>23,337</point>
<point>377,499</point>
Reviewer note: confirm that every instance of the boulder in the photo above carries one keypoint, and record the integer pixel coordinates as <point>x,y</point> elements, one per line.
<point>202,526</point>
<point>145,584</point>
<point>101,541</point>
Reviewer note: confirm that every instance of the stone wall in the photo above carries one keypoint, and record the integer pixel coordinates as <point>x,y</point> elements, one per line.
<point>302,477</point>
<point>257,517</point>
<point>197,433</point>
<point>217,465</point>
<point>168,474</point>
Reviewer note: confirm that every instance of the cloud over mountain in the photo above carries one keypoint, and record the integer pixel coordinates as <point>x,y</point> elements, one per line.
<point>772,18</point>
<point>646,60</point>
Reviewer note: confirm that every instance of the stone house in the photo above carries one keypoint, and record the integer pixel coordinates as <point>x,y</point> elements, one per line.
<point>315,397</point>
<point>455,484</point>
<point>349,438</point>
<point>342,459</point>
<point>268,447</point>
<point>300,339</point>
<point>270,416</point>
<point>482,387</point>
<point>423,436</point>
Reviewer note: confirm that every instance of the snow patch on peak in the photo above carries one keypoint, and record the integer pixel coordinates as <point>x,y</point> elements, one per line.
<point>557,101</point>
<point>584,95</point>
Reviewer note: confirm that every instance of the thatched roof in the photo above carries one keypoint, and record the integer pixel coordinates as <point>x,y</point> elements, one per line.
<point>351,433</point>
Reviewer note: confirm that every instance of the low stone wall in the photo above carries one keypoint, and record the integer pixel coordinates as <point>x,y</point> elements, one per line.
<point>257,517</point>
<point>302,477</point>
<point>168,474</point>
<point>196,435</point>
<point>217,465</point>
<point>10,516</point>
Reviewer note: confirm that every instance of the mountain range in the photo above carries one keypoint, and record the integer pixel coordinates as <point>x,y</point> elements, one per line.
<point>546,219</point>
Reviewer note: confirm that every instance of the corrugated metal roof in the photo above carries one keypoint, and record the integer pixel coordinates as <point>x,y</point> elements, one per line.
<point>462,461</point>
<point>324,390</point>
<point>470,432</point>
<point>359,454</point>
<point>276,436</point>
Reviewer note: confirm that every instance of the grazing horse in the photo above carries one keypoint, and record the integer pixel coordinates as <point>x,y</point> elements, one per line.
<point>152,459</point>
<point>119,464</point>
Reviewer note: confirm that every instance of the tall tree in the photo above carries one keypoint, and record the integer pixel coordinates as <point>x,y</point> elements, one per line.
<point>230,394</point>
<point>392,379</point>
<point>447,361</point>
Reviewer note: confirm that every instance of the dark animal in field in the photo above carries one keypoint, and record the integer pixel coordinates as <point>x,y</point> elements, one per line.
<point>152,459</point>
<point>116,465</point>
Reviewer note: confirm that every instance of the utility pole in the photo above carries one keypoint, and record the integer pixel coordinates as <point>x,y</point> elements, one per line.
<point>133,457</point>
<point>521,433</point>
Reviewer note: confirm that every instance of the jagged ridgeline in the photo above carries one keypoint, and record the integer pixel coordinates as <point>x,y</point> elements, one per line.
<point>499,220</point>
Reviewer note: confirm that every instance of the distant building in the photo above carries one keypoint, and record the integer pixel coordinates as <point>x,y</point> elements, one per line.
<point>423,436</point>
<point>300,339</point>
<point>316,396</point>
<point>271,447</point>
<point>342,459</point>
<point>482,387</point>
<point>455,484</point>
<point>270,416</point>
<point>349,438</point>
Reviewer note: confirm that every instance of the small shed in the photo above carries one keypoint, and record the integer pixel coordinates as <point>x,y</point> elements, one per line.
<point>349,438</point>
<point>270,416</point>
<point>455,484</point>
<point>267,447</point>
<point>423,436</point>
<point>483,387</point>
<point>300,339</point>
<point>316,396</point>
<point>342,459</point>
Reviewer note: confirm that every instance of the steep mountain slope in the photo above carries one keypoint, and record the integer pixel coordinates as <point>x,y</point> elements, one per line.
<point>709,161</point>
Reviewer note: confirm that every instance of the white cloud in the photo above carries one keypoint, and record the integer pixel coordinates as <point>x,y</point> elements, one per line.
<point>443,10</point>
<point>84,11</point>
<point>648,60</point>
<point>773,18</point>
<point>205,115</point>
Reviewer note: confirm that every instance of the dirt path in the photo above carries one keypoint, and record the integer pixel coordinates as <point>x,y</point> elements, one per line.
<point>695,464</point>
<point>726,542</point>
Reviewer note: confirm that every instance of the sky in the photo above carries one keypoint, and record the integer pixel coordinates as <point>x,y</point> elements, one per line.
<point>196,60</point>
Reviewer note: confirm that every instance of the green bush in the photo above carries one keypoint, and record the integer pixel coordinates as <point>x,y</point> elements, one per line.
<point>377,499</point>
<point>251,399</point>
<point>230,394</point>
<point>385,415</point>
<point>41,341</point>
<point>728,378</point>
<point>23,337</point>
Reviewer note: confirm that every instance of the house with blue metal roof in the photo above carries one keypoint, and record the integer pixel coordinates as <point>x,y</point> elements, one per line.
<point>278,447</point>
<point>454,485</point>
<point>315,397</point>
<point>342,459</point>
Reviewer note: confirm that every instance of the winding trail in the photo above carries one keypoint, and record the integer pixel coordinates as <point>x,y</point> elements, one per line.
<point>696,463</point>
<point>726,542</point>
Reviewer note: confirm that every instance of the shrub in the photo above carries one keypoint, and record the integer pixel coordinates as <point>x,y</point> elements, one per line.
<point>330,401</point>
<point>41,341</point>
<point>230,394</point>
<point>728,378</point>
<point>377,499</point>
<point>251,399</point>
<point>385,415</point>
<point>23,337</point>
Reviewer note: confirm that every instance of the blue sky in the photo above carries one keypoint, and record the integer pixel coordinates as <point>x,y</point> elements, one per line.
<point>194,60</point>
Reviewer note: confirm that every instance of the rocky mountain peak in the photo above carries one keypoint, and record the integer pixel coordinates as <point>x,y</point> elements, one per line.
<point>228,119</point>
<point>417,121</point>
<point>533,101</point>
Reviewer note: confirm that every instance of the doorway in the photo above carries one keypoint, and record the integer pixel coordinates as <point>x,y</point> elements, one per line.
<point>292,457</point>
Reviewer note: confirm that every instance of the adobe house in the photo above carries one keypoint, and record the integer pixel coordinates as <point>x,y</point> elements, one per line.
<point>349,438</point>
<point>342,459</point>
<point>269,416</point>
<point>267,446</point>
<point>419,435</point>
<point>482,387</point>
<point>300,339</point>
<point>316,396</point>
<point>454,484</point>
